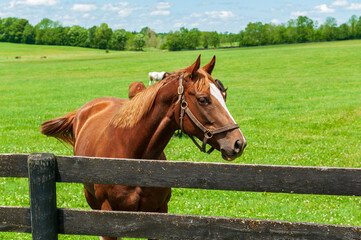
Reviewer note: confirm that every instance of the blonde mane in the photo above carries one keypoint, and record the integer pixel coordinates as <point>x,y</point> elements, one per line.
<point>202,84</point>
<point>133,111</point>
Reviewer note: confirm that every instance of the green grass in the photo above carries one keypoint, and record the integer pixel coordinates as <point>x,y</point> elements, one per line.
<point>296,104</point>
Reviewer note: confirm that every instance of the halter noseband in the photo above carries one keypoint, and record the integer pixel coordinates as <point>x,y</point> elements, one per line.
<point>208,133</point>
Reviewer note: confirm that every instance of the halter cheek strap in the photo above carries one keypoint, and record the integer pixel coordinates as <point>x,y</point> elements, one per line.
<point>208,133</point>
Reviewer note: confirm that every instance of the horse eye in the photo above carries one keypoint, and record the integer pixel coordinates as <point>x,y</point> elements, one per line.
<point>202,101</point>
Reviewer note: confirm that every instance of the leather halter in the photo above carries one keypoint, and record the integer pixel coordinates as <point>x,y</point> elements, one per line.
<point>208,133</point>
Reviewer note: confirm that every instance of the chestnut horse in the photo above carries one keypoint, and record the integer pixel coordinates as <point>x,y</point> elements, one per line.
<point>141,128</point>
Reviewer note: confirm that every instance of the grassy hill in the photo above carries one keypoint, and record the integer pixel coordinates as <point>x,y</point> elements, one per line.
<point>296,104</point>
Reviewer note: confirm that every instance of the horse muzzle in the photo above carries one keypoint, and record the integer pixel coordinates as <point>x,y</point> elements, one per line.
<point>235,151</point>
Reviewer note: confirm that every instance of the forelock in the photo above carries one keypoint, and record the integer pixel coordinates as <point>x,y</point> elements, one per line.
<point>203,81</point>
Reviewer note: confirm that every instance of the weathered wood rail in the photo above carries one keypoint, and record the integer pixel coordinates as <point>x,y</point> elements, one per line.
<point>45,221</point>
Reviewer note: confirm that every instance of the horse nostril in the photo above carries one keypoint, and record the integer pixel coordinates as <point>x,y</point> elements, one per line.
<point>239,146</point>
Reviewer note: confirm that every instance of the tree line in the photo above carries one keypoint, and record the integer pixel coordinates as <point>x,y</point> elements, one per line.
<point>300,30</point>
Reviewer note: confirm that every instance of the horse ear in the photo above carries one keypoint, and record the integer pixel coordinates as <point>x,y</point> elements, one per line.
<point>209,67</point>
<point>192,69</point>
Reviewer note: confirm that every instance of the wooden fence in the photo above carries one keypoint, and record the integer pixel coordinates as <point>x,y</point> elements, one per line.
<point>45,221</point>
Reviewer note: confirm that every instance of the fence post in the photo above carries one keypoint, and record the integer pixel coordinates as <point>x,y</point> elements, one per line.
<point>42,188</point>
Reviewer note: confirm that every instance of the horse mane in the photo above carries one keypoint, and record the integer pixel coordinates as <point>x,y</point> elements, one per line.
<point>131,112</point>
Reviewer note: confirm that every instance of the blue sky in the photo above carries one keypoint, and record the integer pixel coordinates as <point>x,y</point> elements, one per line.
<point>163,16</point>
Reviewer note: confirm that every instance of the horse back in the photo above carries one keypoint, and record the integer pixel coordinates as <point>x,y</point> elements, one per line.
<point>90,122</point>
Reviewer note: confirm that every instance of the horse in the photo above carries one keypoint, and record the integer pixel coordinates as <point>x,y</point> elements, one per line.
<point>140,128</point>
<point>156,76</point>
<point>222,88</point>
<point>135,88</point>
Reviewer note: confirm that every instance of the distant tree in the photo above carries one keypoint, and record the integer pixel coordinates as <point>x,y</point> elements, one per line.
<point>102,36</point>
<point>47,32</point>
<point>291,31</point>
<point>352,23</point>
<point>305,29</point>
<point>329,29</point>
<point>205,39</point>
<point>119,39</point>
<point>139,42</point>
<point>267,34</point>
<point>77,36</point>
<point>16,30</point>
<point>358,28</point>
<point>252,34</point>
<point>145,31</point>
<point>279,34</point>
<point>28,34</point>
<point>233,38</point>
<point>90,37</point>
<point>343,32</point>
<point>190,38</point>
<point>223,37</point>
<point>151,38</point>
<point>214,39</point>
<point>61,34</point>
<point>130,40</point>
<point>174,41</point>
<point>5,29</point>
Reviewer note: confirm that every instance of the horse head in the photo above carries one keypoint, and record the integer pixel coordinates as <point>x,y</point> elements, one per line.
<point>203,112</point>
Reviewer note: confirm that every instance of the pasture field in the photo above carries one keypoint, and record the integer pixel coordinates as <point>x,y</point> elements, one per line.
<point>296,104</point>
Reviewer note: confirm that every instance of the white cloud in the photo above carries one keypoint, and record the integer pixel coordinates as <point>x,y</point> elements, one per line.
<point>275,21</point>
<point>323,8</point>
<point>340,3</point>
<point>178,25</point>
<point>86,15</point>
<point>220,14</point>
<point>193,25</point>
<point>196,15</point>
<point>298,13</point>
<point>160,13</point>
<point>120,25</point>
<point>354,6</point>
<point>123,8</point>
<point>215,23</point>
<point>84,7</point>
<point>34,3</point>
<point>125,12</point>
<point>162,9</point>
<point>115,7</point>
<point>163,5</point>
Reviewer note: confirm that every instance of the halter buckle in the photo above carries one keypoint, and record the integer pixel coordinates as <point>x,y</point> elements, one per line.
<point>184,105</point>
<point>180,90</point>
<point>208,134</point>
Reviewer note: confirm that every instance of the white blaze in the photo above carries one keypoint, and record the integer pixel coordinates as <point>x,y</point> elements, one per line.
<point>218,95</point>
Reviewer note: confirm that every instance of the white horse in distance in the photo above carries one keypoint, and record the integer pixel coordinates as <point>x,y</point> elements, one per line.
<point>156,76</point>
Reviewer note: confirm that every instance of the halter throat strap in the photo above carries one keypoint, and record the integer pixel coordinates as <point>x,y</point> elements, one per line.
<point>208,133</point>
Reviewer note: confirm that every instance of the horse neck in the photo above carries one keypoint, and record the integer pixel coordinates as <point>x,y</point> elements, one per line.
<point>160,122</point>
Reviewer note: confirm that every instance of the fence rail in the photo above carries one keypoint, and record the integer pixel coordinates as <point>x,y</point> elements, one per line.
<point>259,178</point>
